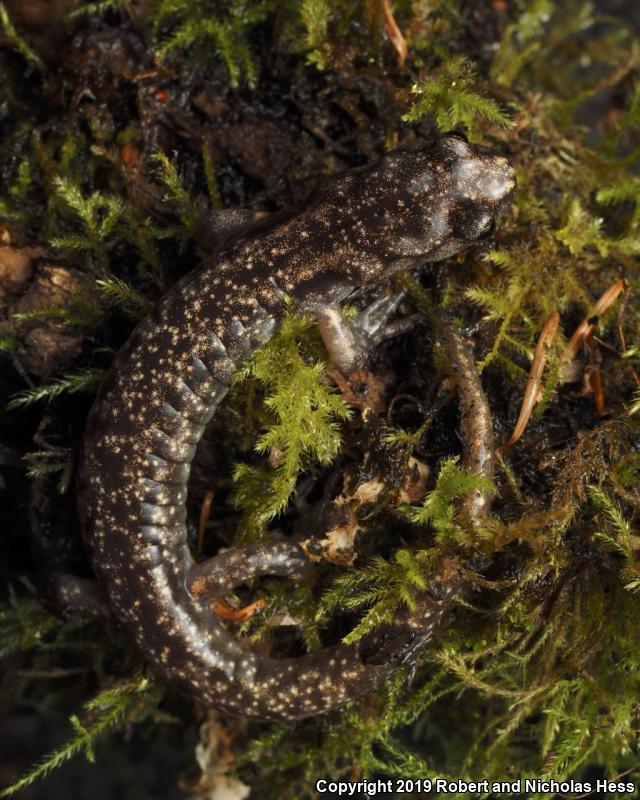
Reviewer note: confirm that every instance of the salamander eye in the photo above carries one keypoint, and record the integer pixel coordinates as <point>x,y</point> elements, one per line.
<point>490,230</point>
<point>472,223</point>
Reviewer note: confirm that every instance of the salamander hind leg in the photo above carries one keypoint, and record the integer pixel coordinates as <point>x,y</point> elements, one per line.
<point>282,688</point>
<point>219,575</point>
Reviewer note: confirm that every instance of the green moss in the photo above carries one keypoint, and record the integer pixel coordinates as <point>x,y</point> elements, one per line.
<point>126,703</point>
<point>380,589</point>
<point>449,96</point>
<point>315,15</point>
<point>178,196</point>
<point>97,213</point>
<point>302,413</point>
<point>438,508</point>
<point>15,40</point>
<point>85,381</point>
<point>198,25</point>
<point>535,670</point>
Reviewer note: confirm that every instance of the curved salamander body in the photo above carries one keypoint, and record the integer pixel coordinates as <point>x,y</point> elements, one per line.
<point>167,381</point>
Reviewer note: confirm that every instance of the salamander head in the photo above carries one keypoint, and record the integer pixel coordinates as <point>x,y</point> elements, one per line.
<point>437,201</point>
<point>480,187</point>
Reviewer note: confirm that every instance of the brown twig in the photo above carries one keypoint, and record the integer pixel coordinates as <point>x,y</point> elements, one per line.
<point>222,609</point>
<point>595,384</point>
<point>532,390</point>
<point>585,328</point>
<point>394,33</point>
<point>205,510</point>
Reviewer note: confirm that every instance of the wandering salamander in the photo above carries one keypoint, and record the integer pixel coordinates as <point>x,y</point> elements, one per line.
<point>165,384</point>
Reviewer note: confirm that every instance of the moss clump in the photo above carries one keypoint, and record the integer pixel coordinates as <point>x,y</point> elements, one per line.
<point>535,671</point>
<point>301,423</point>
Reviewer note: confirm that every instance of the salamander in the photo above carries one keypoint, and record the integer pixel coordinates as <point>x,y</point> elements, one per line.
<point>165,384</point>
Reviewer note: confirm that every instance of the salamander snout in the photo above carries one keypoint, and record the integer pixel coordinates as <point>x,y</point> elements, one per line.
<point>481,177</point>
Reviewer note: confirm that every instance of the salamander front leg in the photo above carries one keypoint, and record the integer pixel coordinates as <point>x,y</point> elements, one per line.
<point>70,596</point>
<point>349,343</point>
<point>215,226</point>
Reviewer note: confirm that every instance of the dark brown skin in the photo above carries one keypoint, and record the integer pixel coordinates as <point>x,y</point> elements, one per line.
<point>165,384</point>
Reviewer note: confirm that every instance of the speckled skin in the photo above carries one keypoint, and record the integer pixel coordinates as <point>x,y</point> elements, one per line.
<point>167,381</point>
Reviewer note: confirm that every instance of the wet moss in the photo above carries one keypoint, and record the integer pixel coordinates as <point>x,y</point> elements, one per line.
<point>111,156</point>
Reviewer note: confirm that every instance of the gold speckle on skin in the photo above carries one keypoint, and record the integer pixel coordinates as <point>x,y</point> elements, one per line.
<point>166,383</point>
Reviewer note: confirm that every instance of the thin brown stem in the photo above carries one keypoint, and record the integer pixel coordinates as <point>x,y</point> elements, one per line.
<point>532,390</point>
